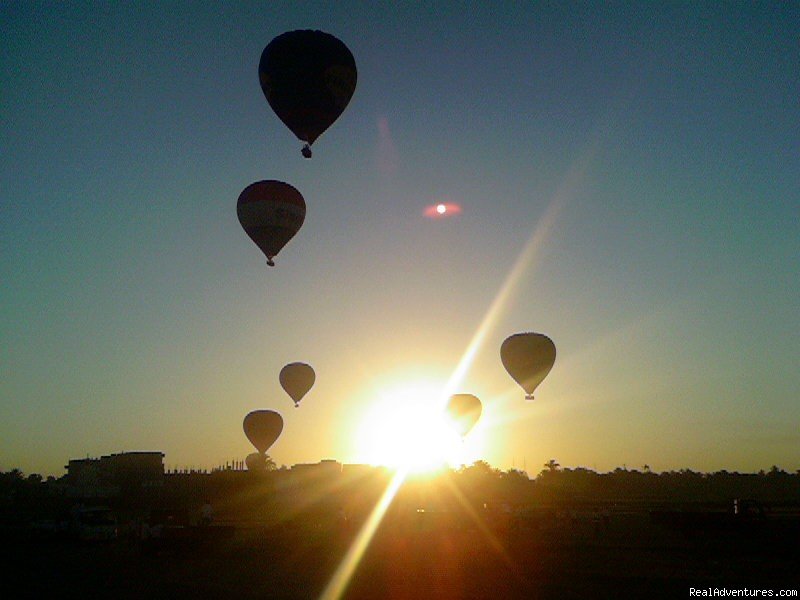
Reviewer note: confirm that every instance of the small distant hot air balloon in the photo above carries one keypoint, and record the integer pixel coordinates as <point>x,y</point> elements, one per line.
<point>271,213</point>
<point>262,428</point>
<point>528,358</point>
<point>464,411</point>
<point>256,462</point>
<point>308,78</point>
<point>296,379</point>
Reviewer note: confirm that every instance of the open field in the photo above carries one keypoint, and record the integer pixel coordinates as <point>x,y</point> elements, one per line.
<point>629,556</point>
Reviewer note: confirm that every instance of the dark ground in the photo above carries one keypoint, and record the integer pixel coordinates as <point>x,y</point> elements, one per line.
<point>628,557</point>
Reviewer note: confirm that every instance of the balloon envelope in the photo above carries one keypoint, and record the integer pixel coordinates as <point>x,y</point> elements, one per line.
<point>296,379</point>
<point>262,428</point>
<point>528,358</point>
<point>308,78</point>
<point>464,411</point>
<point>271,213</point>
<point>256,462</point>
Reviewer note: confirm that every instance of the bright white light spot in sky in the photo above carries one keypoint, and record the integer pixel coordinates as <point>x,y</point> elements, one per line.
<point>406,428</point>
<point>442,210</point>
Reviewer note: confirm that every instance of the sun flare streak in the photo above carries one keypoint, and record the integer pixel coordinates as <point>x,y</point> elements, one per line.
<point>347,567</point>
<point>538,237</point>
<point>521,265</point>
<point>524,262</point>
<point>491,539</point>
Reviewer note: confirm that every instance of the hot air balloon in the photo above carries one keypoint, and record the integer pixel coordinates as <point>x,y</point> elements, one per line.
<point>464,411</point>
<point>528,358</point>
<point>256,462</point>
<point>271,212</point>
<point>296,379</point>
<point>308,78</point>
<point>262,428</point>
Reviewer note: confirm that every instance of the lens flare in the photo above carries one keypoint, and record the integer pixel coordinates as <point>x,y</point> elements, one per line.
<point>442,210</point>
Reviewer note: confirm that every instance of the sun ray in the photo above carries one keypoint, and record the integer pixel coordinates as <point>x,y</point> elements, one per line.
<point>479,523</point>
<point>524,262</point>
<point>347,567</point>
<point>314,493</point>
<point>349,563</point>
<point>344,572</point>
<point>525,258</point>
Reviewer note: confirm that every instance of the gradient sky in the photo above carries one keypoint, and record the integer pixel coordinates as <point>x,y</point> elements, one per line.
<point>642,161</point>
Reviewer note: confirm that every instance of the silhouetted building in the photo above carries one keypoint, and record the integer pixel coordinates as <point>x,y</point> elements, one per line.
<point>356,470</point>
<point>316,474</point>
<point>324,467</point>
<point>115,474</point>
<point>84,479</point>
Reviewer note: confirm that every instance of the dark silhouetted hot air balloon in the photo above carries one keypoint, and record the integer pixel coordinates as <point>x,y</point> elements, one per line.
<point>308,78</point>
<point>256,462</point>
<point>464,411</point>
<point>528,358</point>
<point>271,212</point>
<point>262,428</point>
<point>296,379</point>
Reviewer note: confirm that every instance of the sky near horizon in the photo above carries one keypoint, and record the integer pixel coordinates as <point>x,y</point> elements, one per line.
<point>629,178</point>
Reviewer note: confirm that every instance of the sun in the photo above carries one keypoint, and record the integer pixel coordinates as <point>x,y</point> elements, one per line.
<point>441,209</point>
<point>406,428</point>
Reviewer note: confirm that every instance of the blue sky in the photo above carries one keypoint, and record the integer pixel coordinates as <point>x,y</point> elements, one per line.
<point>658,142</point>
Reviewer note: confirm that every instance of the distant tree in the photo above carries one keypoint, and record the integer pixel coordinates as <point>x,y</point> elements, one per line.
<point>483,467</point>
<point>516,473</point>
<point>552,465</point>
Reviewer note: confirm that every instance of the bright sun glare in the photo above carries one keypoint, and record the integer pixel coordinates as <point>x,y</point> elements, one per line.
<point>406,428</point>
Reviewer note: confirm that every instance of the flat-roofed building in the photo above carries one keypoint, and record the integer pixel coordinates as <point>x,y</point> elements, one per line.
<point>114,474</point>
